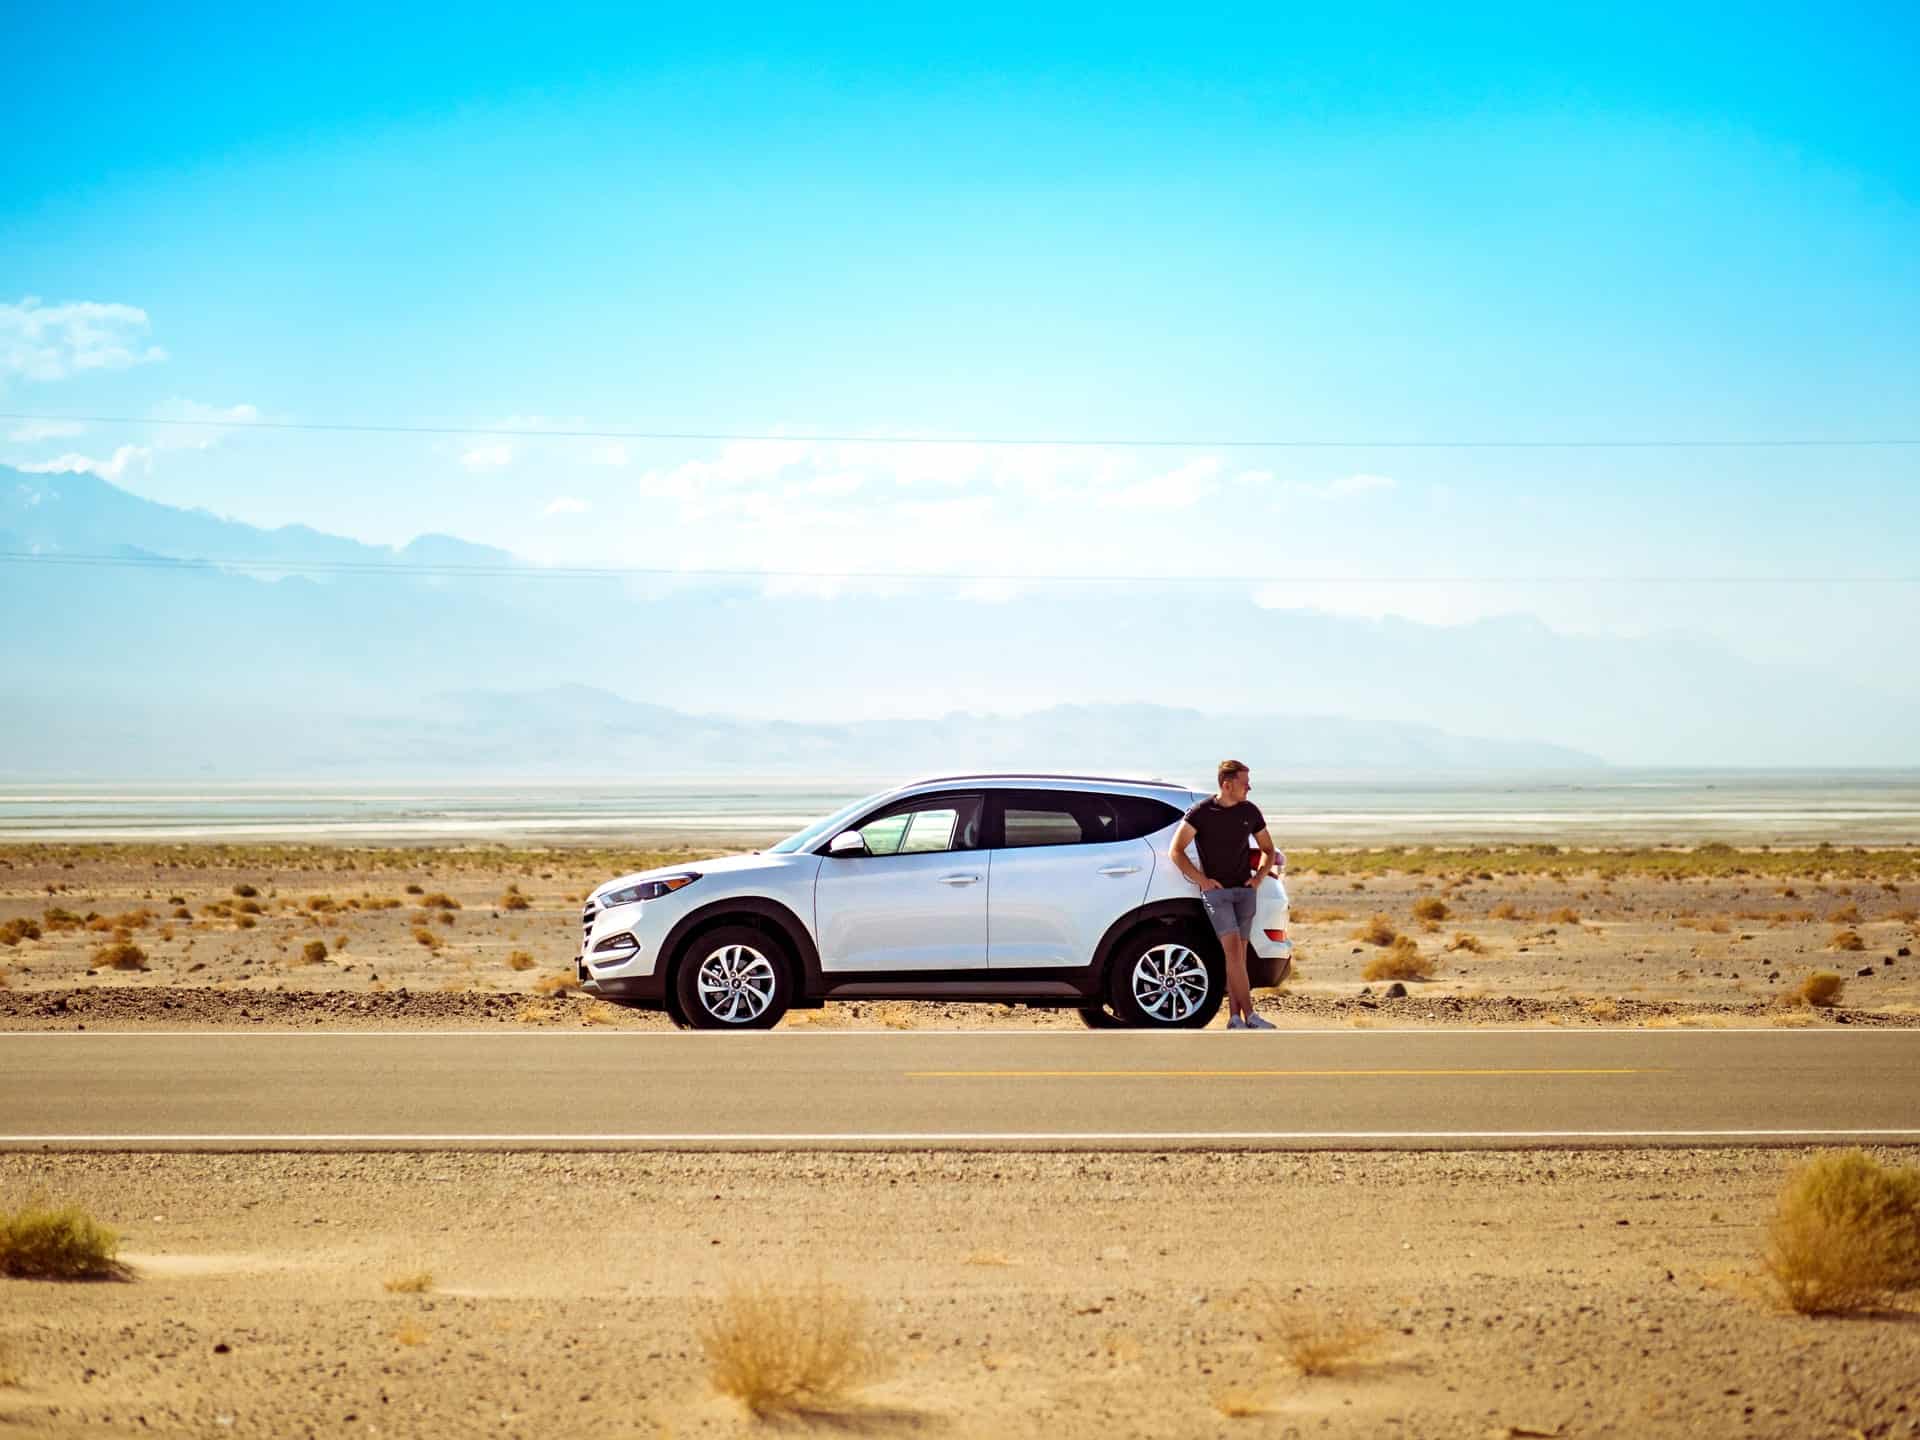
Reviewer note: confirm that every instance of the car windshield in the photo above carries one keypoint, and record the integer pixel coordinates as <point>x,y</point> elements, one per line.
<point>822,829</point>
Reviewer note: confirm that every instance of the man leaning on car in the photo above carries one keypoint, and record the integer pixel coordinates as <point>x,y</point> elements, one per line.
<point>1222,823</point>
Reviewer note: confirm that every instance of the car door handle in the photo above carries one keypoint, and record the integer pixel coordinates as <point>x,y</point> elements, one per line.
<point>959,879</point>
<point>1119,869</point>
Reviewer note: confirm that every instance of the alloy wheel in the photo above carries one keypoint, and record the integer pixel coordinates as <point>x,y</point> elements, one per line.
<point>736,984</point>
<point>1169,983</point>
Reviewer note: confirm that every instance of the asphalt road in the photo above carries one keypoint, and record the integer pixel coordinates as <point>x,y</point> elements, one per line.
<point>1027,1089</point>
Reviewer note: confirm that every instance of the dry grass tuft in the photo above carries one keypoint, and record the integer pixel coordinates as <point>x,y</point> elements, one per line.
<point>1845,1234</point>
<point>1823,988</point>
<point>426,937</point>
<point>42,1243</point>
<point>537,1012</point>
<point>791,1353</point>
<point>1315,1343</point>
<point>1431,907</point>
<point>121,955</point>
<point>519,960</point>
<point>1400,961</point>
<point>514,900</point>
<point>313,952</point>
<point>418,1283</point>
<point>1507,910</point>
<point>599,1013</point>
<point>1565,916</point>
<point>14,931</point>
<point>564,984</point>
<point>1472,944</point>
<point>1377,931</point>
<point>1846,940</point>
<point>439,900</point>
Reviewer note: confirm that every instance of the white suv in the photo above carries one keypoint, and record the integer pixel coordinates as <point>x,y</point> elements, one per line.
<point>1041,889</point>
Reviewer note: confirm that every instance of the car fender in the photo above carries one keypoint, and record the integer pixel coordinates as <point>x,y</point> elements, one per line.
<point>772,912</point>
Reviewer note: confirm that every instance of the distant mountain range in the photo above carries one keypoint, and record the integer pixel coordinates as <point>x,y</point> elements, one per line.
<point>384,661</point>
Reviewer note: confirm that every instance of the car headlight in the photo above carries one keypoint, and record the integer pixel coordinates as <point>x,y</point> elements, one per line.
<point>647,889</point>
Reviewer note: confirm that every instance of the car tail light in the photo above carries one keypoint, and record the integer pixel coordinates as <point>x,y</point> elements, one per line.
<point>1276,934</point>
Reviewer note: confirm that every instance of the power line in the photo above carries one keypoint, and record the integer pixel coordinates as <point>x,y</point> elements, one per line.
<point>1108,442</point>
<point>616,572</point>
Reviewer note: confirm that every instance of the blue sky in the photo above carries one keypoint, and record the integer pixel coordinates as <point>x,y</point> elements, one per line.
<point>1390,224</point>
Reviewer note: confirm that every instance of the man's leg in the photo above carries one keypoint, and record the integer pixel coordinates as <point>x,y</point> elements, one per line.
<point>1239,992</point>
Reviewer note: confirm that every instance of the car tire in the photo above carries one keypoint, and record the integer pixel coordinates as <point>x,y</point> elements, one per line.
<point>1167,978</point>
<point>734,977</point>
<point>1098,1017</point>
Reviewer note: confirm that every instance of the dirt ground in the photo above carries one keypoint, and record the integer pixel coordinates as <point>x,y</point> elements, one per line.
<point>1546,1293</point>
<point>1608,938</point>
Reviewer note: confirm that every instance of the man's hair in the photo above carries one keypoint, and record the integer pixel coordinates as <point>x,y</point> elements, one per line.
<point>1229,769</point>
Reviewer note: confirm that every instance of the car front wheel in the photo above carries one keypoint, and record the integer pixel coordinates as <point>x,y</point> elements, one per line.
<point>1166,980</point>
<point>734,978</point>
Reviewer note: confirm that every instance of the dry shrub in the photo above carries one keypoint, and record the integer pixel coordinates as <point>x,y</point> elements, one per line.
<point>314,951</point>
<point>790,1353</point>
<point>1602,1009</point>
<point>1823,988</point>
<point>1315,1343</point>
<point>564,984</point>
<point>537,1012</point>
<point>1507,910</point>
<point>1400,961</point>
<point>56,918</point>
<point>66,1244</point>
<point>599,1013</point>
<point>418,1283</point>
<point>1432,907</point>
<point>1565,916</point>
<point>514,900</point>
<point>439,900</point>
<point>14,931</point>
<point>1848,914</point>
<point>1472,944</point>
<point>1845,1234</point>
<point>1377,931</point>
<point>1846,940</point>
<point>245,892</point>
<point>245,922</point>
<point>121,955</point>
<point>519,960</point>
<point>426,937</point>
<point>415,890</point>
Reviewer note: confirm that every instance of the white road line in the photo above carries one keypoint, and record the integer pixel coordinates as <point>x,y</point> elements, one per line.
<point>936,1136</point>
<point>1460,1032</point>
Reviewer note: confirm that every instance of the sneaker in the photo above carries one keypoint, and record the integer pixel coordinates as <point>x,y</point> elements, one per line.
<point>1254,1022</point>
<point>1234,1022</point>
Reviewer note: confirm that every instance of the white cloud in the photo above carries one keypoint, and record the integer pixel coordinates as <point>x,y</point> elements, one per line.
<point>28,432</point>
<point>1345,488</point>
<point>207,425</point>
<point>1178,489</point>
<point>566,505</point>
<point>111,468</point>
<point>51,342</point>
<point>615,455</point>
<point>491,455</point>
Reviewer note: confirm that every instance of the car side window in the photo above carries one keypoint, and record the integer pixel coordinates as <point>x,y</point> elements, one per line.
<point>943,822</point>
<point>1038,817</point>
<point>1140,817</point>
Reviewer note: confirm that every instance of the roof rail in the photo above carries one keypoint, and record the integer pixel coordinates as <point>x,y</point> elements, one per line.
<point>1046,775</point>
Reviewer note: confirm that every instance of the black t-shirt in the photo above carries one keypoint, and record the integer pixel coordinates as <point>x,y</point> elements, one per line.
<point>1221,833</point>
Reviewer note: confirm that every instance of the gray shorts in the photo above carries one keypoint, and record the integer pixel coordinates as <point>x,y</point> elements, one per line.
<point>1230,908</point>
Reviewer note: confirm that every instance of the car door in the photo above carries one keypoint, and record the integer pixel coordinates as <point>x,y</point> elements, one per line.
<point>916,899</point>
<point>1061,876</point>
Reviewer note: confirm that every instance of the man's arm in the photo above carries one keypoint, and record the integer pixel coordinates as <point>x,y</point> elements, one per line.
<point>1182,838</point>
<point>1268,857</point>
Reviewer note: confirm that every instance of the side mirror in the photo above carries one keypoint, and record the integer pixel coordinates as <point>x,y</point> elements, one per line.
<point>846,843</point>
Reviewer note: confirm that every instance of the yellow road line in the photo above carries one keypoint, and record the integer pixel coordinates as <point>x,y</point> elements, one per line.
<point>1211,1074</point>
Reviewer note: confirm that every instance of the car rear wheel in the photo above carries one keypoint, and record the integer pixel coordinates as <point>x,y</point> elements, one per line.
<point>1166,980</point>
<point>734,977</point>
